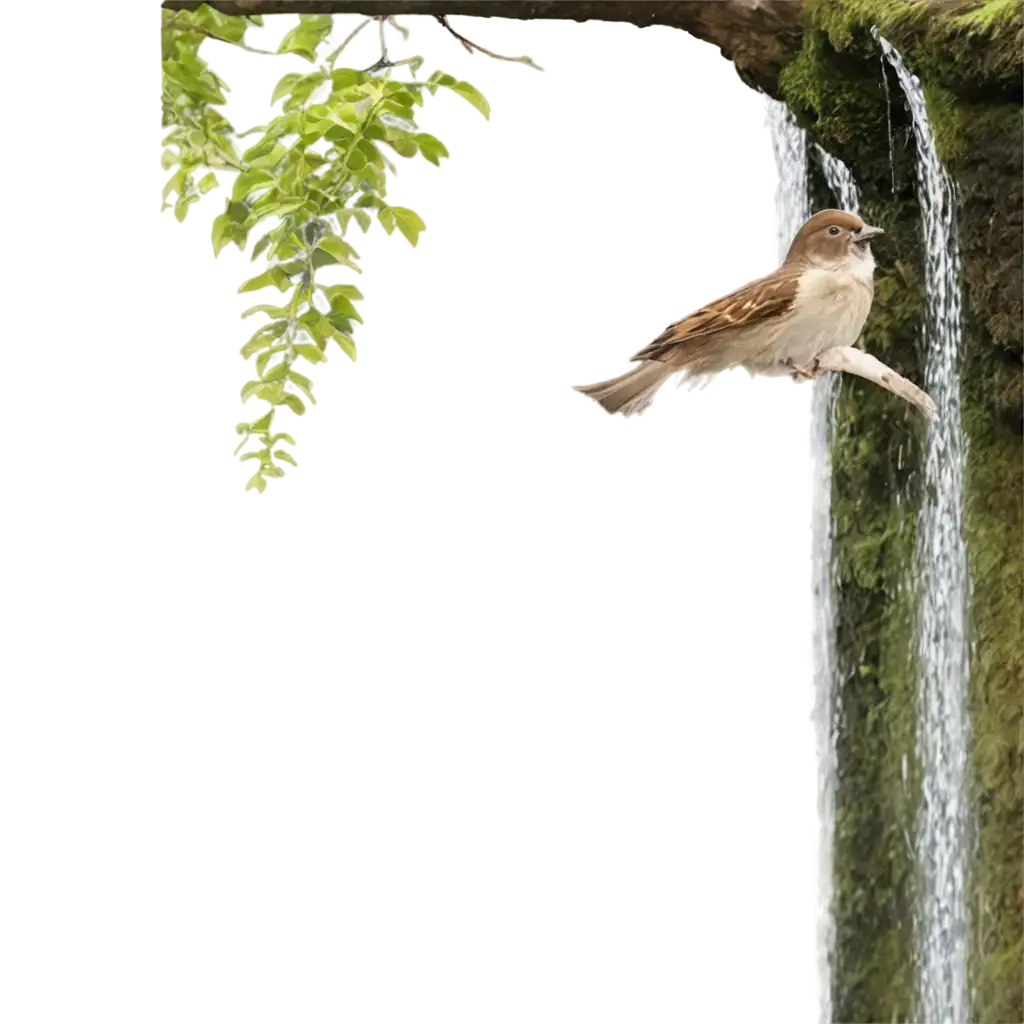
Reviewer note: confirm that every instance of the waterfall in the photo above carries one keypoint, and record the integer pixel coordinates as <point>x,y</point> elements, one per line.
<point>793,207</point>
<point>839,179</point>
<point>943,728</point>
<point>792,201</point>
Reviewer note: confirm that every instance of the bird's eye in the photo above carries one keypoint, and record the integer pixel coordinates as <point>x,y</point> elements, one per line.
<point>833,230</point>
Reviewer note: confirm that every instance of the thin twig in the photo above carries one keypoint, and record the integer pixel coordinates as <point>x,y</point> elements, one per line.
<point>203,31</point>
<point>334,56</point>
<point>383,62</point>
<point>463,40</point>
<point>471,46</point>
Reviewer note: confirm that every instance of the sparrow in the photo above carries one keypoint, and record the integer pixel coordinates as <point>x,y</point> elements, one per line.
<point>801,320</point>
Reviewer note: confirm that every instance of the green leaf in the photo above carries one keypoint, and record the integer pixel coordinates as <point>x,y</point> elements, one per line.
<point>371,152</point>
<point>323,330</point>
<point>273,276</point>
<point>281,437</point>
<point>263,423</point>
<point>338,136</point>
<point>174,183</point>
<point>313,133</point>
<point>264,357</point>
<point>224,26</point>
<point>260,395</point>
<point>409,223</point>
<point>340,322</point>
<point>344,78</point>
<point>274,312</point>
<point>399,106</point>
<point>310,318</point>
<point>279,372</point>
<point>339,249</point>
<point>386,216</point>
<point>341,311</point>
<point>310,353</point>
<point>340,304</point>
<point>356,159</point>
<point>397,92</point>
<point>358,93</point>
<point>294,402</point>
<point>258,482</point>
<point>286,457</point>
<point>270,332</point>
<point>168,158</point>
<point>269,159</point>
<point>431,148</point>
<point>322,259</point>
<point>261,148</point>
<point>313,158</point>
<point>341,115</point>
<point>306,36</point>
<point>292,267</point>
<point>273,471</point>
<point>250,388</point>
<point>301,91</point>
<point>474,97</point>
<point>226,230</point>
<point>284,87</point>
<point>249,181</point>
<point>280,207</point>
<point>207,182</point>
<point>398,125</point>
<point>273,393</point>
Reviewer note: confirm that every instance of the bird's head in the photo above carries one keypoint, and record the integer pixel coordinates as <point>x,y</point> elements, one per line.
<point>833,238</point>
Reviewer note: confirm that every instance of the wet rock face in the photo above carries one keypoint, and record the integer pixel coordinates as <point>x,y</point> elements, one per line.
<point>969,60</point>
<point>987,164</point>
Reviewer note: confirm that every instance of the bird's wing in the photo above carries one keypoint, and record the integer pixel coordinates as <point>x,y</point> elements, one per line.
<point>754,303</point>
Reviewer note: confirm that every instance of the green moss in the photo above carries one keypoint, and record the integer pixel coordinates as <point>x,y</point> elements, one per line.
<point>964,45</point>
<point>829,93</point>
<point>876,454</point>
<point>982,144</point>
<point>842,20</point>
<point>991,16</point>
<point>968,57</point>
<point>994,527</point>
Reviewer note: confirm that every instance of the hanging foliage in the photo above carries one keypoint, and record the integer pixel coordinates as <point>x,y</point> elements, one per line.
<point>316,169</point>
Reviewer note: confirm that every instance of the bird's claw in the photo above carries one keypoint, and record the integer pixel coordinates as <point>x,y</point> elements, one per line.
<point>802,373</point>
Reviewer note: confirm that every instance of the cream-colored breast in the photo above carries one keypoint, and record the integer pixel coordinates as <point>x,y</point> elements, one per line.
<point>830,309</point>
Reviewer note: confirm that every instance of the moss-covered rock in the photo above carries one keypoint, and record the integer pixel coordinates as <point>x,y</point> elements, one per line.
<point>968,57</point>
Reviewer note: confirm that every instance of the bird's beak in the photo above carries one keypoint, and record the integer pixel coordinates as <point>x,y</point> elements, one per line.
<point>866,233</point>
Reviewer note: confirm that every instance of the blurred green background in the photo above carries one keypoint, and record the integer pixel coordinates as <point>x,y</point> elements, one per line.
<point>625,183</point>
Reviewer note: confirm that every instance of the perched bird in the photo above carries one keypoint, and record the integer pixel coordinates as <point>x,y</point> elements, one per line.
<point>801,320</point>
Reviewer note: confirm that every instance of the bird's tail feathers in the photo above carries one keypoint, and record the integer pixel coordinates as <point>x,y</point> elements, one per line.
<point>631,393</point>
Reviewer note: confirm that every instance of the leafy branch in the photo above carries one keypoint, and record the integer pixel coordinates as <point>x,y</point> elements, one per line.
<point>319,166</point>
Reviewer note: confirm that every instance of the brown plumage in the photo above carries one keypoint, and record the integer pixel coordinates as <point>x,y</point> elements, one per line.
<point>779,324</point>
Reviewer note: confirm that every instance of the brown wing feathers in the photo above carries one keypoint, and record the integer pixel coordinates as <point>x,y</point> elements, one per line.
<point>747,306</point>
<point>708,341</point>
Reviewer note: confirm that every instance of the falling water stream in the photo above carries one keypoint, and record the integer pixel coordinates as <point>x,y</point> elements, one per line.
<point>943,728</point>
<point>792,200</point>
<point>825,676</point>
<point>790,206</point>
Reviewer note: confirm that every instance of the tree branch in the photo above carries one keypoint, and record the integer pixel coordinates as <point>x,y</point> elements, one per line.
<point>853,360</point>
<point>758,36</point>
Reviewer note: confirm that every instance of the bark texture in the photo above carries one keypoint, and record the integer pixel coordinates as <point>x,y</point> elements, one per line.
<point>758,36</point>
